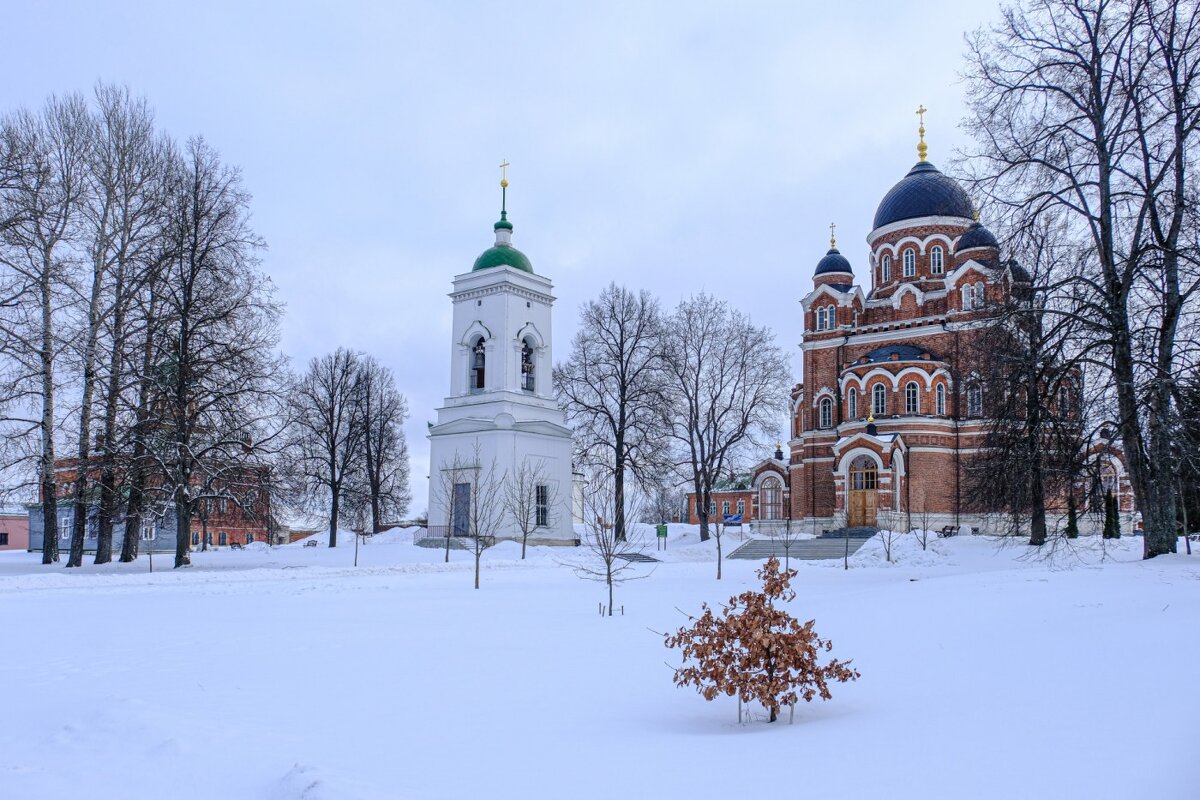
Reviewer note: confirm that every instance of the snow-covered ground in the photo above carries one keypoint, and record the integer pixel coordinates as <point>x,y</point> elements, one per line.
<point>288,673</point>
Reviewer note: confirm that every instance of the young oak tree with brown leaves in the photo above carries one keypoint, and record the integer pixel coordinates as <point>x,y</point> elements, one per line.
<point>756,650</point>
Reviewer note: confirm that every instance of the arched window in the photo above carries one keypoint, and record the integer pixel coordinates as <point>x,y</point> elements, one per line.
<point>936,259</point>
<point>771,498</point>
<point>831,316</point>
<point>941,399</point>
<point>912,399</point>
<point>724,508</point>
<point>975,400</point>
<point>887,268</point>
<point>527,374</point>
<point>863,474</point>
<point>821,318</point>
<point>475,380</point>
<point>223,538</point>
<point>979,296</point>
<point>825,417</point>
<point>852,403</point>
<point>879,400</point>
<point>910,262</point>
<point>1064,400</point>
<point>741,507</point>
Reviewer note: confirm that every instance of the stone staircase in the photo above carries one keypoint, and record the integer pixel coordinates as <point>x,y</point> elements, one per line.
<point>439,543</point>
<point>826,546</point>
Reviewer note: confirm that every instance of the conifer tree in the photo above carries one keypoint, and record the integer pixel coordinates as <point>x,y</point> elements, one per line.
<point>1112,527</point>
<point>1072,518</point>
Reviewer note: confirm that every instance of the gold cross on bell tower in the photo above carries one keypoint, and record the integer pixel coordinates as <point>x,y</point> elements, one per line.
<point>832,238</point>
<point>504,165</point>
<point>922,148</point>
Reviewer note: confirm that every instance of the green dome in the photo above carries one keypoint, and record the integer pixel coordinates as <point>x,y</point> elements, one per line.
<point>502,255</point>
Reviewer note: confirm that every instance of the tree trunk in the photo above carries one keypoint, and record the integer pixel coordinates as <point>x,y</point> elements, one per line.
<point>619,486</point>
<point>333,518</point>
<point>478,555</point>
<point>718,558</point>
<point>48,477</point>
<point>183,528</point>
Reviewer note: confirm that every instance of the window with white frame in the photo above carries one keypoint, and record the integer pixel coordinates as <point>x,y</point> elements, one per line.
<point>887,268</point>
<point>975,400</point>
<point>852,403</point>
<point>979,296</point>
<point>910,262</point>
<point>912,398</point>
<point>937,263</point>
<point>825,413</point>
<point>831,316</point>
<point>724,508</point>
<point>223,538</point>
<point>741,507</point>
<point>879,400</point>
<point>968,298</point>
<point>941,400</point>
<point>820,318</point>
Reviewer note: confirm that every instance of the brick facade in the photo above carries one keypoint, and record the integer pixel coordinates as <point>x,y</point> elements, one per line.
<point>888,411</point>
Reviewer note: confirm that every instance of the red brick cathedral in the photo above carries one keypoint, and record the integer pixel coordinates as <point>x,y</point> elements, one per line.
<point>889,405</point>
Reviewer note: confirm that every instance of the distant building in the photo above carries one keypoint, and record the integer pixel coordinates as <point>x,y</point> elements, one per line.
<point>239,514</point>
<point>760,497</point>
<point>14,530</point>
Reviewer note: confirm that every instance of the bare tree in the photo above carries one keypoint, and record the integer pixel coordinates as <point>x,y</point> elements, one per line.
<point>328,434</point>
<point>1091,111</point>
<point>608,557</point>
<point>215,402</point>
<point>729,389</point>
<point>786,536</point>
<point>129,170</point>
<point>1028,358</point>
<point>471,492</point>
<point>382,411</point>
<point>530,498</point>
<point>41,206</point>
<point>614,390</point>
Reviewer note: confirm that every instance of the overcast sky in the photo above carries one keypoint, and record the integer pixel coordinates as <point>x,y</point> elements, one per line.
<point>672,147</point>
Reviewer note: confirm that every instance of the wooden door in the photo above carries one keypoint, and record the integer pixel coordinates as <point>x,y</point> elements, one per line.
<point>862,494</point>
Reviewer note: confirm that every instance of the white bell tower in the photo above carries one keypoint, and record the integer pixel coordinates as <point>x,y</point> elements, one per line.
<point>501,404</point>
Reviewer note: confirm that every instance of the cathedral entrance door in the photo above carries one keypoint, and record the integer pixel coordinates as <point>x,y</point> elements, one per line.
<point>864,480</point>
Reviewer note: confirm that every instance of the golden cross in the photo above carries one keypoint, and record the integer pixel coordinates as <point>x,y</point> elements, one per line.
<point>922,148</point>
<point>504,165</point>
<point>832,238</point>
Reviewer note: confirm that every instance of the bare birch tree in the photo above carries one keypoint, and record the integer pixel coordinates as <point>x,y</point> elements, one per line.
<point>41,207</point>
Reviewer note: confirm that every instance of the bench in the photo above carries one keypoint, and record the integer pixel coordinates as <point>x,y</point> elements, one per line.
<point>948,531</point>
<point>312,543</point>
<point>235,546</point>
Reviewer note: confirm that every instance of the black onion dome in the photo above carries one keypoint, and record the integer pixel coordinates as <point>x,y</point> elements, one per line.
<point>923,192</point>
<point>977,236</point>
<point>1019,273</point>
<point>834,262</point>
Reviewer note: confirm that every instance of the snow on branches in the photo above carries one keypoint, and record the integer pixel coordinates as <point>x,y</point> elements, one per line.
<point>756,650</point>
